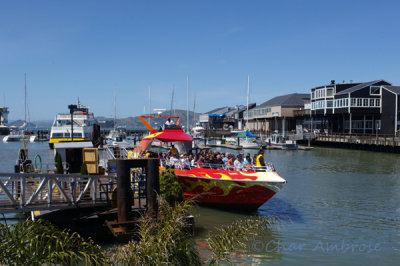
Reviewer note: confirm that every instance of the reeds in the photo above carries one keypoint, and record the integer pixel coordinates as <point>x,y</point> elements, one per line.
<point>165,241</point>
<point>39,243</point>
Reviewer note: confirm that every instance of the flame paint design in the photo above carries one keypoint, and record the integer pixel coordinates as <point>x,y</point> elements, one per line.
<point>227,186</point>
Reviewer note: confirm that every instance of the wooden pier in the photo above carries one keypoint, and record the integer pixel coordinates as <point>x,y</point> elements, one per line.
<point>32,192</point>
<point>383,143</point>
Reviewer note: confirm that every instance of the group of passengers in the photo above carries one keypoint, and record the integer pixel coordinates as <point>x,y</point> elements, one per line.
<point>211,159</point>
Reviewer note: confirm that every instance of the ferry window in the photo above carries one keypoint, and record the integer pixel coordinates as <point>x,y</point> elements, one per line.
<point>378,102</point>
<point>77,135</point>
<point>57,135</point>
<point>313,95</point>
<point>67,135</point>
<point>353,102</point>
<point>329,104</point>
<point>371,102</point>
<point>346,102</point>
<point>366,102</point>
<point>359,102</point>
<point>329,92</point>
<point>375,90</point>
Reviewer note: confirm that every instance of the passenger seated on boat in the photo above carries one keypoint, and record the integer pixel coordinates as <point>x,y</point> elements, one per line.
<point>193,161</point>
<point>231,162</point>
<point>185,162</point>
<point>237,163</point>
<point>173,151</point>
<point>225,159</point>
<point>200,162</point>
<point>174,161</point>
<point>247,162</point>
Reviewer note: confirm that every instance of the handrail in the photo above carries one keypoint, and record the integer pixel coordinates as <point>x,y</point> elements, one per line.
<point>269,167</point>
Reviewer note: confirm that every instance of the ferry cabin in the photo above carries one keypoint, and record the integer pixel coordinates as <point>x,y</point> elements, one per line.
<point>82,126</point>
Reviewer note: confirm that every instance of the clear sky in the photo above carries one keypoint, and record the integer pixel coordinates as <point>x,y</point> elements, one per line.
<point>86,49</point>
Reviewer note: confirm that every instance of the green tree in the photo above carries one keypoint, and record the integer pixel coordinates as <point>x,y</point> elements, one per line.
<point>58,162</point>
<point>84,170</point>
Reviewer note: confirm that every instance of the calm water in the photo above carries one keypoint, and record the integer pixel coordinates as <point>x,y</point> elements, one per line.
<point>339,207</point>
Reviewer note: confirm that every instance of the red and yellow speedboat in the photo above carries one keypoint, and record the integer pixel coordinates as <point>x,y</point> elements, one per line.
<point>247,189</point>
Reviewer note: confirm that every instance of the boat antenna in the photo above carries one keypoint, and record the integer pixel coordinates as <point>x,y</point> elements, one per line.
<point>187,104</point>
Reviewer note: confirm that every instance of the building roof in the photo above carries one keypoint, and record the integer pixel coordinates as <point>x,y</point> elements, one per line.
<point>288,100</point>
<point>220,110</point>
<point>394,89</point>
<point>360,86</point>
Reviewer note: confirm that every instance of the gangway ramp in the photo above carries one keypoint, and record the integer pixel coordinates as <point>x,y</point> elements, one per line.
<point>32,192</point>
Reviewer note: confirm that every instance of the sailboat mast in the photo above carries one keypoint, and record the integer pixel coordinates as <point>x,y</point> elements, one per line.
<point>25,103</point>
<point>149,104</point>
<point>248,95</point>
<point>194,109</point>
<point>187,105</point>
<point>115,108</point>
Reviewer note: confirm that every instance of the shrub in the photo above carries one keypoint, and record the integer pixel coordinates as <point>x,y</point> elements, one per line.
<point>170,189</point>
<point>58,163</point>
<point>84,170</point>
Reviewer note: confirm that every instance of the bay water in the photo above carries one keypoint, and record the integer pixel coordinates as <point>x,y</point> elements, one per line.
<point>339,207</point>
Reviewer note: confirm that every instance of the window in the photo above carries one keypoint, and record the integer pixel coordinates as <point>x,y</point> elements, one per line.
<point>329,104</point>
<point>329,92</point>
<point>375,90</point>
<point>359,102</point>
<point>372,102</point>
<point>353,102</point>
<point>378,102</point>
<point>366,102</point>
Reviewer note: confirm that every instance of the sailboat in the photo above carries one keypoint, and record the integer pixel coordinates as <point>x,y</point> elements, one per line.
<point>116,137</point>
<point>21,133</point>
<point>246,139</point>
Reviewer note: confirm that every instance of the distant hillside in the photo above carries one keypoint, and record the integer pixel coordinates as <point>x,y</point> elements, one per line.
<point>130,122</point>
<point>134,122</point>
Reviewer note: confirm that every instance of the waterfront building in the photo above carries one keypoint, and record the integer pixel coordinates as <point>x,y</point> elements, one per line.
<point>225,118</point>
<point>361,108</point>
<point>279,114</point>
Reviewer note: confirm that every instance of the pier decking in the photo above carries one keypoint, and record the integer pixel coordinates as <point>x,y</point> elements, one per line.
<point>366,142</point>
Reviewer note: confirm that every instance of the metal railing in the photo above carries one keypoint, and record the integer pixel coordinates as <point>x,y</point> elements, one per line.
<point>269,167</point>
<point>28,192</point>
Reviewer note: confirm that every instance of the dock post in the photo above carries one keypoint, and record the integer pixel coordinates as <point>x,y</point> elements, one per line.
<point>152,187</point>
<point>123,194</point>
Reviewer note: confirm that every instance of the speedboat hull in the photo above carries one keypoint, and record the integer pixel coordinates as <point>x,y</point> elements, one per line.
<point>235,189</point>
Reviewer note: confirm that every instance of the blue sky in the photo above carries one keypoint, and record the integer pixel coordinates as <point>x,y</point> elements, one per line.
<point>86,49</point>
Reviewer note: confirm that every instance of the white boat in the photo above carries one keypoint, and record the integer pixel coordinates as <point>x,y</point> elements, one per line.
<point>81,128</point>
<point>15,135</point>
<point>249,143</point>
<point>278,141</point>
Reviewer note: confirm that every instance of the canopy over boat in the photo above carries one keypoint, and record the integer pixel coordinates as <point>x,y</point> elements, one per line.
<point>170,135</point>
<point>245,134</point>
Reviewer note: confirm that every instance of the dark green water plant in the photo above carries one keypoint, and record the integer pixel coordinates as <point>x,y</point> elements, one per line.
<point>40,243</point>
